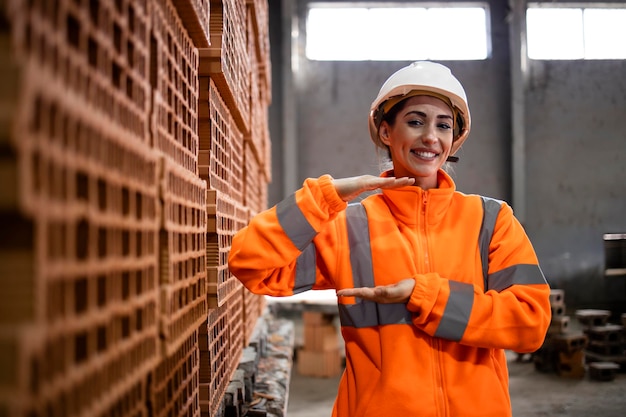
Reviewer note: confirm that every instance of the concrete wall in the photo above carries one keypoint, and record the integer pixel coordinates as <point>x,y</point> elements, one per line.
<point>575,143</point>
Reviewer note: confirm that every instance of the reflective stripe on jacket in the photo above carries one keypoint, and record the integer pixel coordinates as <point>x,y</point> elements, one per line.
<point>478,290</point>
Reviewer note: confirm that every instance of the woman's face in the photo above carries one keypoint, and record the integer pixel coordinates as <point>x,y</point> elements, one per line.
<point>419,139</point>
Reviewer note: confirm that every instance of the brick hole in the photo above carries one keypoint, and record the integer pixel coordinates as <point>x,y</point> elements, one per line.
<point>94,11</point>
<point>28,37</point>
<point>125,322</point>
<point>139,244</point>
<point>151,277</point>
<point>80,295</point>
<point>154,67</point>
<point>66,130</point>
<point>73,31</point>
<point>41,48</point>
<point>62,184</point>
<point>82,239</point>
<point>92,52</point>
<point>52,246</point>
<point>80,347</point>
<point>34,377</point>
<point>102,242</point>
<point>52,121</point>
<point>62,242</point>
<point>138,205</point>
<point>125,242</point>
<point>117,38</point>
<point>139,282</point>
<point>125,285</point>
<point>101,293</point>
<point>131,18</point>
<point>130,53</point>
<point>55,58</point>
<point>125,201</point>
<point>139,320</point>
<point>82,186</point>
<point>102,194</point>
<point>116,75</point>
<point>129,89</point>
<point>37,118</point>
<point>150,244</point>
<point>50,177</point>
<point>56,297</point>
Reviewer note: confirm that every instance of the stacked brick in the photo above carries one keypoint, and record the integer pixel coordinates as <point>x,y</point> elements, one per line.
<point>123,142</point>
<point>563,349</point>
<point>80,213</point>
<point>320,356</point>
<point>606,351</point>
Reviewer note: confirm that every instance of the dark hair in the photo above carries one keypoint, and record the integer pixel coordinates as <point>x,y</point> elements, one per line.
<point>390,116</point>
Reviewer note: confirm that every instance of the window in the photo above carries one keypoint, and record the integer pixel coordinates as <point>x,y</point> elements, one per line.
<point>581,33</point>
<point>396,32</point>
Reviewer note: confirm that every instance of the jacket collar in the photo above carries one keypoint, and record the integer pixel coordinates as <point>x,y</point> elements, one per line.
<point>407,203</point>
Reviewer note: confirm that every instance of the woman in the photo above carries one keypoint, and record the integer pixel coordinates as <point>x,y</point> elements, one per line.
<point>434,285</point>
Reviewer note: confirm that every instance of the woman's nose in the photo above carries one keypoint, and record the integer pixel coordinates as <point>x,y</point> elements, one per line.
<point>429,134</point>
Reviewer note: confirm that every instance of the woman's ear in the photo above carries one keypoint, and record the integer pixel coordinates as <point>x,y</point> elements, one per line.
<point>383,133</point>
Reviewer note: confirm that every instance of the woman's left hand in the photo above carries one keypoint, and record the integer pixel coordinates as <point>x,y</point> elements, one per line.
<point>400,292</point>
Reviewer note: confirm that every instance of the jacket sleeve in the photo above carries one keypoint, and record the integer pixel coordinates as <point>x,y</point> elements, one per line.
<point>512,313</point>
<point>281,251</point>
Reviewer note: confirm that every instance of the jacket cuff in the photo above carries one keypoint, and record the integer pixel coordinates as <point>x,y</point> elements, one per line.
<point>424,295</point>
<point>335,203</point>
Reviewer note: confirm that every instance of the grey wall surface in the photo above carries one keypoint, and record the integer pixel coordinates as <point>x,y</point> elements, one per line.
<point>575,143</point>
<point>576,183</point>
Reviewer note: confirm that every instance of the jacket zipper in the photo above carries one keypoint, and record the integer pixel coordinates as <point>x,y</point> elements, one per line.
<point>423,232</point>
<point>439,386</point>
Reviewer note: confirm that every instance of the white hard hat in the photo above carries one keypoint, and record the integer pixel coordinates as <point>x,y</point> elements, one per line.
<point>422,77</point>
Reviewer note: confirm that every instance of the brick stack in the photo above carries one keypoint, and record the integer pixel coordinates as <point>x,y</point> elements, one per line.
<point>321,355</point>
<point>123,142</point>
<point>606,351</point>
<point>563,350</point>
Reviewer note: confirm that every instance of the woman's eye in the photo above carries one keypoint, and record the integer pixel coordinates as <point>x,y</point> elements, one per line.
<point>445,126</point>
<point>415,122</point>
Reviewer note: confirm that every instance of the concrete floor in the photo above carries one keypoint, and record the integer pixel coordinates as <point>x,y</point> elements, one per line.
<point>533,394</point>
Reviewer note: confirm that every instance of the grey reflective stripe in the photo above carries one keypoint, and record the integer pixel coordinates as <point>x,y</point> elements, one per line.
<point>371,314</point>
<point>294,224</point>
<point>360,250</point>
<point>523,274</point>
<point>305,270</point>
<point>366,313</point>
<point>491,208</point>
<point>457,312</point>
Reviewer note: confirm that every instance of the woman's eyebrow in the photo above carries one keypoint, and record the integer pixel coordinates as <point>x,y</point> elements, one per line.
<point>422,114</point>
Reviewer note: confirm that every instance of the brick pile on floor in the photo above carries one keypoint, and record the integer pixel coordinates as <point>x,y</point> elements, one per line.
<point>563,349</point>
<point>605,353</point>
<point>598,349</point>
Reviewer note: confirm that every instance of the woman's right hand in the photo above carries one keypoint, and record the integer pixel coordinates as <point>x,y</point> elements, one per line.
<point>350,188</point>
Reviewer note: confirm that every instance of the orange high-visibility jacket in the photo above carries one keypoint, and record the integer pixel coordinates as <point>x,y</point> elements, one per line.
<point>443,352</point>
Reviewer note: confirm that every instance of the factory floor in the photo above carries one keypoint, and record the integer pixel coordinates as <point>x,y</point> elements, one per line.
<point>533,393</point>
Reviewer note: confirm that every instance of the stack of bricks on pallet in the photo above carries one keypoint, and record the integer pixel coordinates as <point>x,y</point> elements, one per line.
<point>133,145</point>
<point>563,350</point>
<point>606,351</point>
<point>320,356</point>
